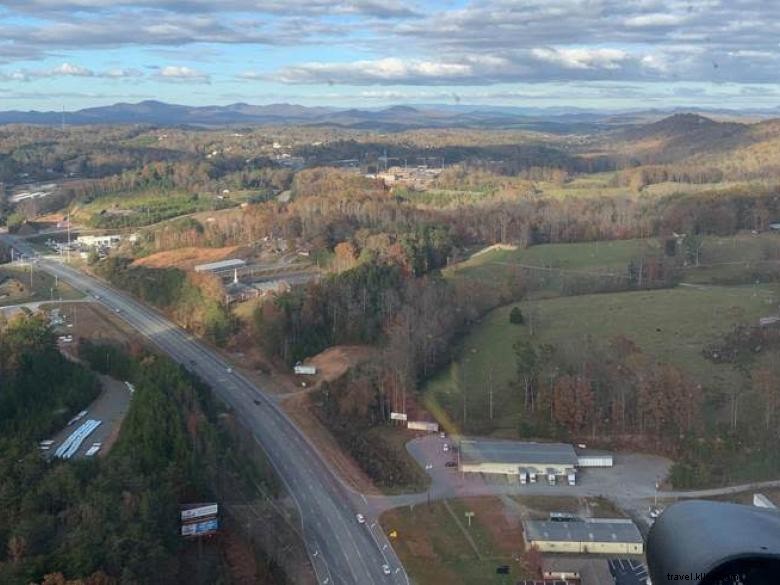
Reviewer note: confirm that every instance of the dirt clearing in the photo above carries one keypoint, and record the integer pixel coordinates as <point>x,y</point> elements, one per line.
<point>188,258</point>
<point>336,361</point>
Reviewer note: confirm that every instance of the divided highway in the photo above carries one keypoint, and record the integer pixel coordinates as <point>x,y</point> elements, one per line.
<point>342,550</point>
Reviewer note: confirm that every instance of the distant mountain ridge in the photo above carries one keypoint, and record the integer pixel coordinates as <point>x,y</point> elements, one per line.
<point>397,117</point>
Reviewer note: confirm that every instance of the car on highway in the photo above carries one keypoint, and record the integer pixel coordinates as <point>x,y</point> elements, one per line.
<point>361,519</point>
<point>256,401</point>
<point>386,569</point>
<point>654,512</point>
<point>229,370</point>
<point>451,464</point>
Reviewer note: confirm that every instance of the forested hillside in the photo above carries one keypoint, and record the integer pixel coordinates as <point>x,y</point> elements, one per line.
<point>106,520</point>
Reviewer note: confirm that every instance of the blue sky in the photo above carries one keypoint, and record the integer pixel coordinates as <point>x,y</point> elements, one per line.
<point>607,54</point>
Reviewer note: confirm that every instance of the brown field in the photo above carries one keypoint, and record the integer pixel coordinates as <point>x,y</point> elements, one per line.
<point>188,258</point>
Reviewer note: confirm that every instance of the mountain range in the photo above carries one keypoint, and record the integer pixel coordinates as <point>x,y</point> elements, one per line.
<point>400,117</point>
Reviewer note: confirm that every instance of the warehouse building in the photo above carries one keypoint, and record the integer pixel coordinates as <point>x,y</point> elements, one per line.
<point>592,536</point>
<point>107,241</point>
<point>512,457</point>
<point>221,265</point>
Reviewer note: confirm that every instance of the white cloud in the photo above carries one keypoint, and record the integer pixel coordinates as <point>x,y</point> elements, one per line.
<point>389,70</point>
<point>122,73</point>
<point>751,54</point>
<point>67,70</point>
<point>655,19</point>
<point>182,73</point>
<point>582,58</point>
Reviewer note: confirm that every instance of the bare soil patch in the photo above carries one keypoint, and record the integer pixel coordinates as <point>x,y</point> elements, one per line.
<point>336,361</point>
<point>188,258</point>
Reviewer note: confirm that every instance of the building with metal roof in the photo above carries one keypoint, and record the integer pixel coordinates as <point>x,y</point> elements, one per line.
<point>221,265</point>
<point>600,536</point>
<point>511,457</point>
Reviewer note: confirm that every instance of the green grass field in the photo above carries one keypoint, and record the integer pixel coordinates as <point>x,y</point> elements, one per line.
<point>673,325</point>
<point>17,288</point>
<point>434,549</point>
<point>141,208</point>
<point>556,267</point>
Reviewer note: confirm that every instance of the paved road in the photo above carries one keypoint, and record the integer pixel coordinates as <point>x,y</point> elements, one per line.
<point>341,550</point>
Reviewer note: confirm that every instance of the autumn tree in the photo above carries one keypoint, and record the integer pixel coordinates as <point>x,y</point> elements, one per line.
<point>572,402</point>
<point>345,256</point>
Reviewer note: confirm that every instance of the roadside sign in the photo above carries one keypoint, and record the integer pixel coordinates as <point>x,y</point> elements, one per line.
<point>202,511</point>
<point>423,426</point>
<point>200,528</point>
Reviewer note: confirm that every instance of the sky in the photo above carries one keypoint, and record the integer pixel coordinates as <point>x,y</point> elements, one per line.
<point>592,54</point>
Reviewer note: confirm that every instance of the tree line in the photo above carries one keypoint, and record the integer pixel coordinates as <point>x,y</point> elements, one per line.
<point>110,520</point>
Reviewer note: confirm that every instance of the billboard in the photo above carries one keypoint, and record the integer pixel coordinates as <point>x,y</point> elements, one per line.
<point>430,427</point>
<point>201,511</point>
<point>200,528</point>
<point>397,416</point>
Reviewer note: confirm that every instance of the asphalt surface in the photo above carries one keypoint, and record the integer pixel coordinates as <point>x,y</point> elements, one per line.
<point>109,408</point>
<point>342,551</point>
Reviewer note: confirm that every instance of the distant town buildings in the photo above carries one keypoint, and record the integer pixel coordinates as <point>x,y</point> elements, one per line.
<point>106,241</point>
<point>419,177</point>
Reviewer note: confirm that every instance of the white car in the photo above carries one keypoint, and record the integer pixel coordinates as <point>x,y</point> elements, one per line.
<point>229,370</point>
<point>386,569</point>
<point>361,519</point>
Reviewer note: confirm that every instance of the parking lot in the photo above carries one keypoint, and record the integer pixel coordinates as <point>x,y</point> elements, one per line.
<point>628,571</point>
<point>109,408</point>
<point>632,476</point>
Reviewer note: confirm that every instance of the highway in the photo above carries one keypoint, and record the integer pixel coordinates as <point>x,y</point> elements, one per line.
<point>341,550</point>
